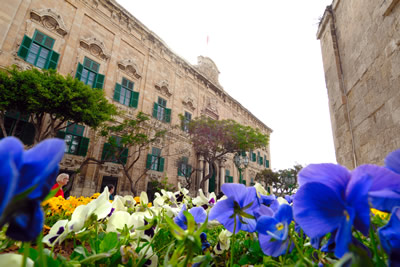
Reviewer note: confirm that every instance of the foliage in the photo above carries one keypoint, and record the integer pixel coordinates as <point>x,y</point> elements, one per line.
<point>283,182</point>
<point>51,100</point>
<point>213,139</point>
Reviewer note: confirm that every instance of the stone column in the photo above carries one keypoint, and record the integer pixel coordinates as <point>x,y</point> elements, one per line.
<point>206,172</point>
<point>201,171</point>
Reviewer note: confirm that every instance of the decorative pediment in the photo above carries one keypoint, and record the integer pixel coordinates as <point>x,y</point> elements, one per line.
<point>50,19</point>
<point>130,67</point>
<point>95,47</point>
<point>189,103</point>
<point>208,68</point>
<point>163,87</point>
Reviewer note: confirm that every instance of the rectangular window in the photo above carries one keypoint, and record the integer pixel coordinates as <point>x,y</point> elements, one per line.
<point>160,110</point>
<point>125,95</point>
<point>24,130</point>
<point>253,157</point>
<point>88,73</point>
<point>186,120</point>
<point>154,160</point>
<point>228,178</point>
<point>38,51</point>
<point>75,143</point>
<point>184,168</point>
<point>115,152</point>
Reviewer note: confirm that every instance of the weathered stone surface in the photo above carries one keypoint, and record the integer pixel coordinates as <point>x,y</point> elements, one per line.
<point>361,56</point>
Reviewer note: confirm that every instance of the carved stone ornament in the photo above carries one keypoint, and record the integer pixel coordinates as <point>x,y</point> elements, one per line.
<point>163,87</point>
<point>130,67</point>
<point>50,19</point>
<point>95,47</point>
<point>189,103</point>
<point>208,68</point>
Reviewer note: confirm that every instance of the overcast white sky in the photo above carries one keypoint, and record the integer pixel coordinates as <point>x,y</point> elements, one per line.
<point>269,60</point>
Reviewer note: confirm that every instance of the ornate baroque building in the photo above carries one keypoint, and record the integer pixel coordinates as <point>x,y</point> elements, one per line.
<point>360,43</point>
<point>100,43</point>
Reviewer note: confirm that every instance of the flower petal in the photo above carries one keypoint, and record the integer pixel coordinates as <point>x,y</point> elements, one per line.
<point>272,248</point>
<point>40,167</point>
<point>332,175</point>
<point>222,211</point>
<point>284,214</point>
<point>392,161</point>
<point>343,236</point>
<point>27,223</point>
<point>199,214</point>
<point>390,233</point>
<point>317,209</point>
<point>357,198</point>
<point>237,191</point>
<point>266,224</point>
<point>384,200</point>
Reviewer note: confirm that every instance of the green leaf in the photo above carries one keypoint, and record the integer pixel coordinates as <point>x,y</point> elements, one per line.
<point>109,242</point>
<point>95,257</point>
<point>175,230</point>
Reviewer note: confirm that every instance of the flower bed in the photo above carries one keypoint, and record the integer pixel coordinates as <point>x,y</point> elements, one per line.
<point>329,221</point>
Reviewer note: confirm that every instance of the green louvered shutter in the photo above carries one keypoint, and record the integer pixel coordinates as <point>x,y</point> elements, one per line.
<point>267,163</point>
<point>117,92</point>
<point>52,60</point>
<point>106,151</point>
<point>99,81</point>
<point>148,161</point>
<point>167,115</point>
<point>124,156</point>
<point>161,166</point>
<point>61,134</point>
<point>83,147</point>
<point>24,47</point>
<point>78,74</point>
<point>231,179</point>
<point>155,110</point>
<point>134,101</point>
<point>254,157</point>
<point>188,171</point>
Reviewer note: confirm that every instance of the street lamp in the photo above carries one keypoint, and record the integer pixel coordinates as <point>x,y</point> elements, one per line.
<point>241,161</point>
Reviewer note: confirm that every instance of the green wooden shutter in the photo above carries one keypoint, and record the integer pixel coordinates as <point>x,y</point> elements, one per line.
<point>106,151</point>
<point>148,161</point>
<point>267,163</point>
<point>78,74</point>
<point>188,171</point>
<point>99,81</point>
<point>83,147</point>
<point>134,101</point>
<point>24,47</point>
<point>167,115</point>
<point>124,156</point>
<point>231,179</point>
<point>117,92</point>
<point>161,166</point>
<point>52,60</point>
<point>61,134</point>
<point>155,110</point>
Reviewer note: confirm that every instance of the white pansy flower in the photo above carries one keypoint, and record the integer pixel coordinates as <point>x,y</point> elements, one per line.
<point>201,199</point>
<point>281,201</point>
<point>118,204</point>
<point>12,259</point>
<point>118,220</point>
<point>260,190</point>
<point>57,233</point>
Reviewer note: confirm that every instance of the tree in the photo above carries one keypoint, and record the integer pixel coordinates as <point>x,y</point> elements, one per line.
<point>185,170</point>
<point>213,139</point>
<point>126,142</point>
<point>283,182</point>
<point>50,100</point>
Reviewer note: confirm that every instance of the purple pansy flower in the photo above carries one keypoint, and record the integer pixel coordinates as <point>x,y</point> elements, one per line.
<point>329,199</point>
<point>240,205</point>
<point>390,237</point>
<point>199,215</point>
<point>21,170</point>
<point>273,231</point>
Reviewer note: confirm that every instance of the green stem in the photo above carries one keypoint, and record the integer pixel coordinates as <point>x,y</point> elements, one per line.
<point>378,260</point>
<point>307,261</point>
<point>42,259</point>
<point>27,246</point>
<point>287,252</point>
<point>233,241</point>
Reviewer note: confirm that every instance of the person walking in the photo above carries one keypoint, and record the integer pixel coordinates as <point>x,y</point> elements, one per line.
<point>62,180</point>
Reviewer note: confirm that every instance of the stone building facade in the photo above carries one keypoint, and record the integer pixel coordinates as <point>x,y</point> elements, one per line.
<point>360,43</point>
<point>103,45</point>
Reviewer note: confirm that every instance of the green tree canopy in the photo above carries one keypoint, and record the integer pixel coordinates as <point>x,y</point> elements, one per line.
<point>51,100</point>
<point>213,139</point>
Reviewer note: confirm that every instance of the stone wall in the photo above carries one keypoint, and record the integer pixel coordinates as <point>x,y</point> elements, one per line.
<point>360,44</point>
<point>105,32</point>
